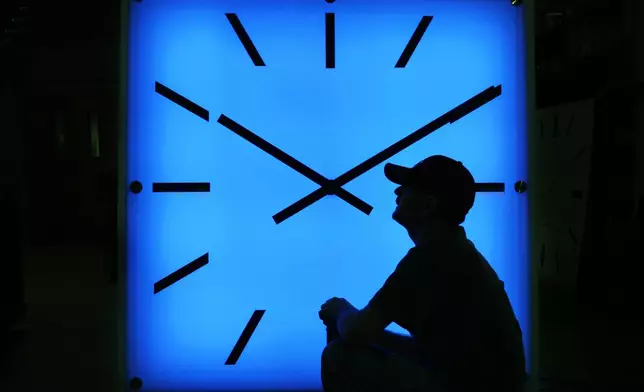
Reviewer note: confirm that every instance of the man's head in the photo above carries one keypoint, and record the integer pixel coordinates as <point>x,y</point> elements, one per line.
<point>437,189</point>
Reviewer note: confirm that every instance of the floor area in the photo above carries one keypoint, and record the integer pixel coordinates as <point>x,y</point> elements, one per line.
<point>71,338</point>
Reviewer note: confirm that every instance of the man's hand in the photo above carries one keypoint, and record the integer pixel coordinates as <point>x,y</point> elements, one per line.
<point>333,308</point>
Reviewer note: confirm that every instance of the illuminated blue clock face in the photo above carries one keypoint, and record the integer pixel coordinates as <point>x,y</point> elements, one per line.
<point>257,132</point>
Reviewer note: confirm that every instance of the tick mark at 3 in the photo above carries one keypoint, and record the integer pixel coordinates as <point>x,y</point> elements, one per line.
<point>485,187</point>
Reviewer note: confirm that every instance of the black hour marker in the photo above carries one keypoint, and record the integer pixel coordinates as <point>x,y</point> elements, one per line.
<point>329,22</point>
<point>239,347</point>
<point>180,273</point>
<point>244,38</point>
<point>490,187</point>
<point>414,41</point>
<point>181,101</point>
<point>179,187</point>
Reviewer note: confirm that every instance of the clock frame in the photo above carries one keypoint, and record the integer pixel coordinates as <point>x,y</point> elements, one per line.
<point>128,185</point>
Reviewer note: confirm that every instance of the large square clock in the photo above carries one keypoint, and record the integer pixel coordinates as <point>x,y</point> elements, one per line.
<point>255,135</point>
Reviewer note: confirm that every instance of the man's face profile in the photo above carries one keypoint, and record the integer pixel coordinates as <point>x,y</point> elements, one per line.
<point>413,207</point>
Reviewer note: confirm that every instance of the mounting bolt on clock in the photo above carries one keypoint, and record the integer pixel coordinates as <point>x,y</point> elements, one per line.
<point>136,384</point>
<point>136,187</point>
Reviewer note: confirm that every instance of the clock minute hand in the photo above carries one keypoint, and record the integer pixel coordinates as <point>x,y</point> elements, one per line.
<point>452,116</point>
<point>327,186</point>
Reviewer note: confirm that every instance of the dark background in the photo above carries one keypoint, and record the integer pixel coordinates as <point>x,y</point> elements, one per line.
<point>59,64</point>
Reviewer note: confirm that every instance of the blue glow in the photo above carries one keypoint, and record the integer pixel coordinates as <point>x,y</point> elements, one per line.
<point>331,120</point>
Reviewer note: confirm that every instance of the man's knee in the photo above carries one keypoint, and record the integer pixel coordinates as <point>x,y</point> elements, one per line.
<point>369,367</point>
<point>340,357</point>
<point>343,365</point>
<point>334,353</point>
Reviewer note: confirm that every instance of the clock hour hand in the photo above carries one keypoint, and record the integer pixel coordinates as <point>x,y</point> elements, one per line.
<point>452,116</point>
<point>327,187</point>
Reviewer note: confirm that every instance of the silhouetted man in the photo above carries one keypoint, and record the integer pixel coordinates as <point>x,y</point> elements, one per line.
<point>464,334</point>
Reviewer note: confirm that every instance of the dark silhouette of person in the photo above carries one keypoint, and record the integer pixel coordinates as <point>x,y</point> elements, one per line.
<point>463,333</point>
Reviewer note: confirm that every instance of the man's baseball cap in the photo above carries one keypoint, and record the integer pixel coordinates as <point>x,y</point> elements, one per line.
<point>445,178</point>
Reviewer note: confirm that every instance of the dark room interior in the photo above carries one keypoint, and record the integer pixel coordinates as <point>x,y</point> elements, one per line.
<point>60,86</point>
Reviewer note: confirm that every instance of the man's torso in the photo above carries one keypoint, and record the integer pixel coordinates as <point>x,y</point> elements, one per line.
<point>453,303</point>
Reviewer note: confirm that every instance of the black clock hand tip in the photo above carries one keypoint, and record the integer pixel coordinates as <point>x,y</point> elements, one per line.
<point>474,103</point>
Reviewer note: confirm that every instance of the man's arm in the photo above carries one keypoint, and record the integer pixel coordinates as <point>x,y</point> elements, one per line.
<point>397,343</point>
<point>362,326</point>
<point>367,326</point>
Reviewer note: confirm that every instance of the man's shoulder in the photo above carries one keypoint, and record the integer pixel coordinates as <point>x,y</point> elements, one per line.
<point>420,259</point>
<point>445,252</point>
